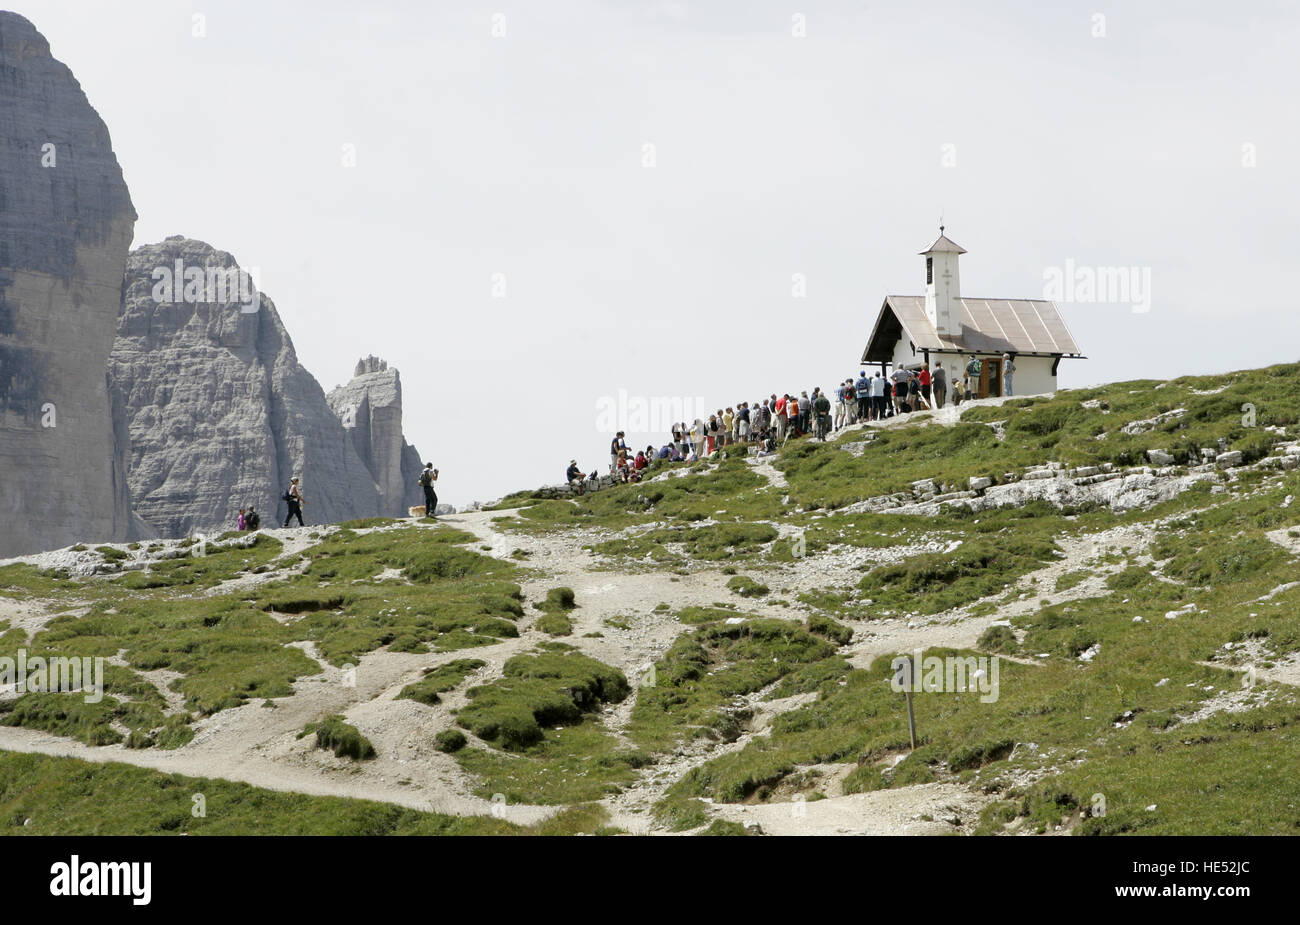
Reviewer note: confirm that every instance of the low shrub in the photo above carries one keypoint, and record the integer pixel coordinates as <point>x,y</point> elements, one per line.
<point>336,735</point>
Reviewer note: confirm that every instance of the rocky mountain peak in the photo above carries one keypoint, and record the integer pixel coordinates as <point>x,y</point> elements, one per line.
<point>66,221</point>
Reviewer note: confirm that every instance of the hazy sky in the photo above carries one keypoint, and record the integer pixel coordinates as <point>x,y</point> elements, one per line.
<point>618,195</point>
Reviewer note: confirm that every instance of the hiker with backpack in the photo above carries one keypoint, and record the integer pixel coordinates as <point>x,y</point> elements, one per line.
<point>427,478</point>
<point>973,376</point>
<point>253,520</point>
<point>293,497</point>
<point>862,394</point>
<point>1008,370</point>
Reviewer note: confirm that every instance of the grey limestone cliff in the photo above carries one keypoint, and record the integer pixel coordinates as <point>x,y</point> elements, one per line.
<point>220,412</point>
<point>66,222</point>
<point>370,408</point>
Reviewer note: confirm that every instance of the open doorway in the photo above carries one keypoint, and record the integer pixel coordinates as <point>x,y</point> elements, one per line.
<point>991,378</point>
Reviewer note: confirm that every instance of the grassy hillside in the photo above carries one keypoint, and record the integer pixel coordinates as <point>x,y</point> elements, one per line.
<point>728,629</point>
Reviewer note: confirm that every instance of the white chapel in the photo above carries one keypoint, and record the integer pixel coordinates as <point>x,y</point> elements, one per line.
<point>942,326</point>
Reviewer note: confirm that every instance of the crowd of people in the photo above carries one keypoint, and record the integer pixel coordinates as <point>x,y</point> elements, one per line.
<point>770,422</point>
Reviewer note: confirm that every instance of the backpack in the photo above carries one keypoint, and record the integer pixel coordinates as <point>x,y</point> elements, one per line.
<point>425,479</point>
<point>287,497</point>
<point>252,521</point>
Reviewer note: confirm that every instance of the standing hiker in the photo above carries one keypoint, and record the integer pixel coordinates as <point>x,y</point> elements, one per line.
<point>822,408</point>
<point>253,520</point>
<point>900,377</point>
<point>973,377</point>
<point>1008,369</point>
<point>615,446</point>
<point>242,522</point>
<point>427,478</point>
<point>862,392</point>
<point>939,382</point>
<point>293,497</point>
<point>914,393</point>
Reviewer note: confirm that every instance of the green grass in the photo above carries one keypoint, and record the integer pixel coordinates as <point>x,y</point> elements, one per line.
<point>558,600</point>
<point>1115,725</point>
<point>573,763</point>
<point>344,740</point>
<point>554,624</point>
<point>439,680</point>
<point>555,609</point>
<point>450,740</point>
<point>550,748</point>
<point>934,582</point>
<point>43,795</point>
<point>747,587</point>
<point>730,486</point>
<point>553,686</point>
<point>230,648</point>
<point>698,679</point>
<point>1059,429</point>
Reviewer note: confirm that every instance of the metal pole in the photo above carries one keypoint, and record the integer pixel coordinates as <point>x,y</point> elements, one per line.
<point>911,716</point>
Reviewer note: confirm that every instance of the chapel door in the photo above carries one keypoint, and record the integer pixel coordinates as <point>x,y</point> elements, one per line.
<point>990,378</point>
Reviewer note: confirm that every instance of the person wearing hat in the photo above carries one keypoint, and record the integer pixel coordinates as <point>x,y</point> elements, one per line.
<point>1008,369</point>
<point>293,497</point>
<point>574,477</point>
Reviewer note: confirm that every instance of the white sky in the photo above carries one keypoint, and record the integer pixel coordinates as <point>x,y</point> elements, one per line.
<point>775,155</point>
